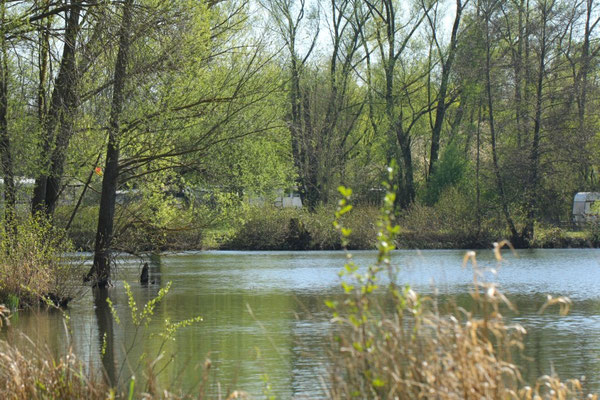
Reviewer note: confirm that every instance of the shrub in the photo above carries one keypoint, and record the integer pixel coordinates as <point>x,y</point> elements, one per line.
<point>272,228</point>
<point>35,265</point>
<point>325,237</point>
<point>265,228</point>
<point>449,172</point>
<point>552,237</point>
<point>450,223</point>
<point>82,232</point>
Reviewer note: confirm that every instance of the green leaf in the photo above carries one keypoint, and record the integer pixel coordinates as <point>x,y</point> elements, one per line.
<point>378,382</point>
<point>331,304</point>
<point>344,191</point>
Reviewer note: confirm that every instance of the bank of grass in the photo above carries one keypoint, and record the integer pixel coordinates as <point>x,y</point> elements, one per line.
<point>422,227</point>
<point>452,223</point>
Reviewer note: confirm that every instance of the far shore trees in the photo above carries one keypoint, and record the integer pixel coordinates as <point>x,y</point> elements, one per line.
<point>488,109</point>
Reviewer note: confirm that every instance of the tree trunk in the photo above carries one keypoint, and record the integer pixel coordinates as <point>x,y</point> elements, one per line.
<point>5,151</point>
<point>534,156</point>
<point>407,190</point>
<point>100,271</point>
<point>516,239</point>
<point>440,111</point>
<point>60,114</point>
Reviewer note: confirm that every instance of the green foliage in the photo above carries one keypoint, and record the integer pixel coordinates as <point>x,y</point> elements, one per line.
<point>36,264</point>
<point>552,237</point>
<point>265,228</point>
<point>82,232</point>
<point>449,171</point>
<point>593,233</point>
<point>451,223</point>
<point>271,228</point>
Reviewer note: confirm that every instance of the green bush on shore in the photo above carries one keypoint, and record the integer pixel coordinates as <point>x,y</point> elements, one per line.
<point>272,228</point>
<point>35,267</point>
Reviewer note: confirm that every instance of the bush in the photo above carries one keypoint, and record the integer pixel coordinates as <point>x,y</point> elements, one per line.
<point>35,265</point>
<point>82,232</point>
<point>267,228</point>
<point>593,233</point>
<point>450,223</point>
<point>549,238</point>
<point>448,172</point>
<point>272,228</point>
<point>324,236</point>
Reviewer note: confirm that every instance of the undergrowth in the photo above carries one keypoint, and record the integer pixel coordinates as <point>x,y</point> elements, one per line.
<point>35,266</point>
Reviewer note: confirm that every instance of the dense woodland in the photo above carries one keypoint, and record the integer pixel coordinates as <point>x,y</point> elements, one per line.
<point>488,109</point>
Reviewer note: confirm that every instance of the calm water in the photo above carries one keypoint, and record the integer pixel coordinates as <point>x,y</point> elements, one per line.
<point>282,340</point>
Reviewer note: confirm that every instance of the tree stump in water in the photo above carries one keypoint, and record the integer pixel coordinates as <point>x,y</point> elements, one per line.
<point>144,276</point>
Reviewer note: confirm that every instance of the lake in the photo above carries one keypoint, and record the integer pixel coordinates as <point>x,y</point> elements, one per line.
<point>265,322</point>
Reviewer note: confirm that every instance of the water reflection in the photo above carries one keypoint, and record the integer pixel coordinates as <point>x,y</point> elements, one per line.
<point>106,334</point>
<point>283,341</point>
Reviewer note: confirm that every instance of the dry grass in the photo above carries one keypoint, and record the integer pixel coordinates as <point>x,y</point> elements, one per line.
<point>33,375</point>
<point>415,352</point>
<point>408,349</point>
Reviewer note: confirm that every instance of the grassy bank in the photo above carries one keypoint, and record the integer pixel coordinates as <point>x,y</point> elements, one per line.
<point>447,225</point>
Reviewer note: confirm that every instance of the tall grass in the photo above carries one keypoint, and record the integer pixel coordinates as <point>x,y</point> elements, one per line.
<point>392,343</point>
<point>32,374</point>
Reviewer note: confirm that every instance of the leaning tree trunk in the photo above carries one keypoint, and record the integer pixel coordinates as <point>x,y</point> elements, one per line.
<point>100,271</point>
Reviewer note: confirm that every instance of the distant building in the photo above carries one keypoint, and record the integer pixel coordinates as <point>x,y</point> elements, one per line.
<point>584,208</point>
<point>283,199</point>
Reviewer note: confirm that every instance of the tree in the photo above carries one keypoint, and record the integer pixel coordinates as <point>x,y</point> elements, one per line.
<point>392,37</point>
<point>446,62</point>
<point>57,125</point>
<point>199,94</point>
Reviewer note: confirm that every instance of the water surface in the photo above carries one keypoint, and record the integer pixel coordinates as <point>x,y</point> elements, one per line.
<point>264,319</point>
